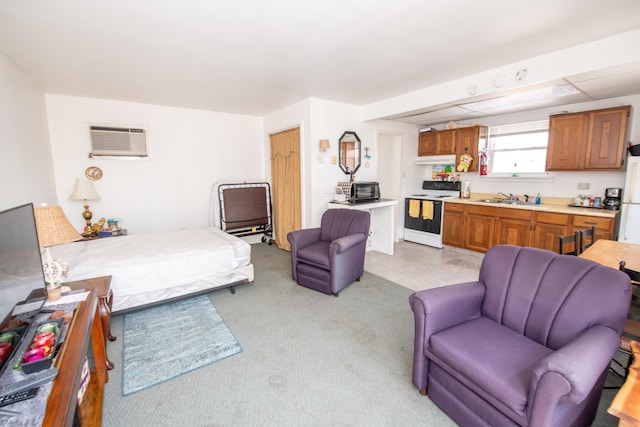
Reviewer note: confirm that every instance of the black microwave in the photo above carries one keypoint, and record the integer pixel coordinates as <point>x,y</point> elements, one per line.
<point>364,192</point>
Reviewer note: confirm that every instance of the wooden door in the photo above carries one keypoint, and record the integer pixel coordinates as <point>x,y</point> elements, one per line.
<point>567,134</point>
<point>547,229</point>
<point>513,231</point>
<point>285,179</point>
<point>478,229</point>
<point>453,225</point>
<point>547,236</point>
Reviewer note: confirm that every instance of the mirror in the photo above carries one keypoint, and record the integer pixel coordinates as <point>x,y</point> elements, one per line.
<point>349,149</point>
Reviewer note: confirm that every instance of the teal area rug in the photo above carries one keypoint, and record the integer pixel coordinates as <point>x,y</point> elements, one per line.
<point>168,340</point>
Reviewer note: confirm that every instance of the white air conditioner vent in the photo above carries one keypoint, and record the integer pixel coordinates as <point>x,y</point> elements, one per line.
<point>123,142</point>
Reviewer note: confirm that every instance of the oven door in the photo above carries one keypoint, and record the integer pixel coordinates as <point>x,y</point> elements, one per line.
<point>414,219</point>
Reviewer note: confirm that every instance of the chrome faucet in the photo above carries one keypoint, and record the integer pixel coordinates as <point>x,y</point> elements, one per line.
<point>509,197</point>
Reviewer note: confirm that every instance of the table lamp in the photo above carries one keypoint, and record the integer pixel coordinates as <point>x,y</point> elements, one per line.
<point>84,190</point>
<point>53,229</point>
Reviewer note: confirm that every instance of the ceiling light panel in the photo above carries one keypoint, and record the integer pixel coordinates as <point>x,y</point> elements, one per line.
<point>495,104</point>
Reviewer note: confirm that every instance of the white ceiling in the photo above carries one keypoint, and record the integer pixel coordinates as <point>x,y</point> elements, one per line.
<point>258,56</point>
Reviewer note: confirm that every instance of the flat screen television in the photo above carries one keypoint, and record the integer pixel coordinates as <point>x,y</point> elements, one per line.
<point>20,258</point>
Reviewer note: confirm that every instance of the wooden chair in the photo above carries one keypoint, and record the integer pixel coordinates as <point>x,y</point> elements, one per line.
<point>569,244</point>
<point>585,238</point>
<point>631,330</point>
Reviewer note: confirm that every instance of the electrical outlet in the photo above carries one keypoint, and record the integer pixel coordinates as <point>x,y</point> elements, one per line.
<point>583,186</point>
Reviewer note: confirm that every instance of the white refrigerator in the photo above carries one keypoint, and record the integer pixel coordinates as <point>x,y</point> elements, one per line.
<point>630,213</point>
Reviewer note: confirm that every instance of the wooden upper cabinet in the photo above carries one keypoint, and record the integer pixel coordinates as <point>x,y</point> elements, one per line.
<point>606,141</point>
<point>566,135</point>
<point>436,143</point>
<point>427,143</point>
<point>469,140</point>
<point>454,141</point>
<point>587,141</point>
<point>446,142</point>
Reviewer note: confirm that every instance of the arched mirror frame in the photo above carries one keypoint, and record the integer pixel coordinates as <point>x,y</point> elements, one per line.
<point>350,152</point>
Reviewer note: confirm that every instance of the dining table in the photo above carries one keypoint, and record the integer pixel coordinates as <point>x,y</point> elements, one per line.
<point>611,252</point>
<point>626,403</point>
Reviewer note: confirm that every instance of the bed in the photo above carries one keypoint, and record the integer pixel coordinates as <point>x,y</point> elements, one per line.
<point>151,268</point>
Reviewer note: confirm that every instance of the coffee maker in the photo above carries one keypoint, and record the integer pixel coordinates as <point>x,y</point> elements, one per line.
<point>612,199</point>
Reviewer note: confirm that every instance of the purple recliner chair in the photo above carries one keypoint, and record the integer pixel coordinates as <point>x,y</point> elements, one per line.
<point>330,257</point>
<point>528,344</point>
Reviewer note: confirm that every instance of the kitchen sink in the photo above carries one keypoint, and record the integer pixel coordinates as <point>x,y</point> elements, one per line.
<point>505,202</point>
<point>488,200</point>
<point>514,202</point>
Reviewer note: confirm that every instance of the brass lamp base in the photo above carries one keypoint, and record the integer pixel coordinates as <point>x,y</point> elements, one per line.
<point>87,214</point>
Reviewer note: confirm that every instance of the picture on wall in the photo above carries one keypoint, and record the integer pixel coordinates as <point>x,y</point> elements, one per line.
<point>442,173</point>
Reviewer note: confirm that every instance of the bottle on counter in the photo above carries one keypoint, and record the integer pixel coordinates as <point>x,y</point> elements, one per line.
<point>466,190</point>
<point>538,199</point>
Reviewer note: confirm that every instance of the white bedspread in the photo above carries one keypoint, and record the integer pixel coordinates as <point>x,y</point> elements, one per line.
<point>148,268</point>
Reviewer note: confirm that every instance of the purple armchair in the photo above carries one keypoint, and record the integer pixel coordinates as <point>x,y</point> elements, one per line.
<point>528,344</point>
<point>330,257</point>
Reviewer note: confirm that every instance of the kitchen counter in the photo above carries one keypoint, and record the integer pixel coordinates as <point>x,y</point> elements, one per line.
<point>557,205</point>
<point>366,205</point>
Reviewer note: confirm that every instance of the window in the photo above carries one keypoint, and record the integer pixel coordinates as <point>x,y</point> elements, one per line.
<point>519,148</point>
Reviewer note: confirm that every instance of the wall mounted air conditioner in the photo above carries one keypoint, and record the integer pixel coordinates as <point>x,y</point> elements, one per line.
<point>119,142</point>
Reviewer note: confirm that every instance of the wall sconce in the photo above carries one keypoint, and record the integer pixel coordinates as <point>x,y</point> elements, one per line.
<point>366,153</point>
<point>324,146</point>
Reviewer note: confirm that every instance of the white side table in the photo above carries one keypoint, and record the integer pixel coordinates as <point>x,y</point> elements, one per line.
<point>382,222</point>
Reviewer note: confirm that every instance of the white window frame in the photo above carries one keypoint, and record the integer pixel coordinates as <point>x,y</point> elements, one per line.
<point>511,129</point>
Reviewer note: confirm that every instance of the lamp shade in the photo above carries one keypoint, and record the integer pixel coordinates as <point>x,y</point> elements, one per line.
<point>53,226</point>
<point>324,144</point>
<point>84,190</point>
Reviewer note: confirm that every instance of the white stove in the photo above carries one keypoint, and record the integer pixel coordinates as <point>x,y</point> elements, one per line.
<point>424,212</point>
<point>433,196</point>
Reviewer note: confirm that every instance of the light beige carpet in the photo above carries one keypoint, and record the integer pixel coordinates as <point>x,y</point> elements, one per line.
<point>309,359</point>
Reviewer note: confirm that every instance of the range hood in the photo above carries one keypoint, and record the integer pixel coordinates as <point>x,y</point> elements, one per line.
<point>436,160</point>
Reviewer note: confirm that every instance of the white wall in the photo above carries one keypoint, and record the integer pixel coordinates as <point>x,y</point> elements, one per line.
<point>26,173</point>
<point>322,119</point>
<point>191,150</point>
